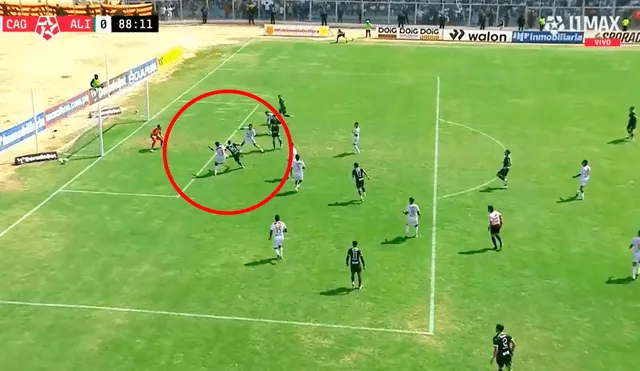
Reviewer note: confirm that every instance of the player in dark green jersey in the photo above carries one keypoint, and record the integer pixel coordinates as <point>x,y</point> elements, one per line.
<point>275,132</point>
<point>503,348</point>
<point>506,165</point>
<point>234,150</point>
<point>355,261</point>
<point>633,122</point>
<point>283,108</point>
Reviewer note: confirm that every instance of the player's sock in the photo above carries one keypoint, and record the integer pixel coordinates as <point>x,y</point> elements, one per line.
<point>499,240</point>
<point>634,271</point>
<point>504,181</point>
<point>277,253</point>
<point>416,231</point>
<point>281,253</point>
<point>215,170</point>
<point>406,230</point>
<point>353,284</point>
<point>356,149</point>
<point>279,140</point>
<point>274,144</point>
<point>493,240</point>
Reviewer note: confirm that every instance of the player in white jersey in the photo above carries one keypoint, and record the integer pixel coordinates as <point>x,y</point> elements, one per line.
<point>584,175</point>
<point>635,248</point>
<point>277,232</point>
<point>495,225</point>
<point>270,119</point>
<point>356,137</point>
<point>295,151</point>
<point>297,169</point>
<point>413,214</point>
<point>220,157</point>
<point>250,137</point>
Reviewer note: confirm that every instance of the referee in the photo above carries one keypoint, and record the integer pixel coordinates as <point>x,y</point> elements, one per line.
<point>355,261</point>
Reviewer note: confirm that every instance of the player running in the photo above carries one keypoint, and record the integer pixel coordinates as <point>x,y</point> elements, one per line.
<point>356,137</point>
<point>250,137</point>
<point>277,232</point>
<point>633,122</point>
<point>341,34</point>
<point>503,348</point>
<point>635,248</point>
<point>495,224</point>
<point>275,132</point>
<point>506,165</point>
<point>220,157</point>
<point>297,169</point>
<point>413,214</point>
<point>358,174</point>
<point>156,136</point>
<point>235,152</point>
<point>355,261</point>
<point>270,118</point>
<point>584,175</point>
<point>283,108</point>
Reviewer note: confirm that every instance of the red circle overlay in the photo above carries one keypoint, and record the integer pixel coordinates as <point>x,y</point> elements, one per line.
<point>167,136</point>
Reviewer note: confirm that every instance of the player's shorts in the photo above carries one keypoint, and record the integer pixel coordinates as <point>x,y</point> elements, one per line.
<point>636,258</point>
<point>583,182</point>
<point>412,222</point>
<point>341,34</point>
<point>155,137</point>
<point>495,228</point>
<point>359,184</point>
<point>630,128</point>
<point>275,135</point>
<point>298,177</point>
<point>278,241</point>
<point>236,158</point>
<point>219,160</point>
<point>356,268</point>
<point>504,172</point>
<point>356,140</point>
<point>282,110</point>
<point>503,360</point>
<point>251,140</point>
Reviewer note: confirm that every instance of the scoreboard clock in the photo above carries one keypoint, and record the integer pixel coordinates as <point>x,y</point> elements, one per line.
<point>127,24</point>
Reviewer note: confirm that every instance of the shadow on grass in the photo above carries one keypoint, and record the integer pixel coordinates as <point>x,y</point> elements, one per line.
<point>346,203</point>
<point>144,150</point>
<point>395,241</point>
<point>338,291</point>
<point>474,252</point>
<point>619,281</point>
<point>492,189</point>
<point>287,193</point>
<point>618,141</point>
<point>257,263</point>
<point>274,180</point>
<point>568,199</point>
<point>344,154</point>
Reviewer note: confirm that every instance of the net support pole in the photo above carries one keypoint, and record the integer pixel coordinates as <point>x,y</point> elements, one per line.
<point>148,99</point>
<point>106,72</point>
<point>35,121</point>
<point>101,137</point>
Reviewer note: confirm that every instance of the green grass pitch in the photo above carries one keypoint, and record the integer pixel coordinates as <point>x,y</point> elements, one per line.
<point>210,299</point>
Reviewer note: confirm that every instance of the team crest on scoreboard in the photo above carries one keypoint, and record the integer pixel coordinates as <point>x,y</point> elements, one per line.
<point>47,27</point>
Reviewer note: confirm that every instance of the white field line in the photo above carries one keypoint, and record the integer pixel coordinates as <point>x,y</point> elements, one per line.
<point>224,143</point>
<point>306,70</point>
<point>207,316</point>
<point>223,103</point>
<point>118,193</point>
<point>434,213</point>
<point>488,181</point>
<point>46,200</point>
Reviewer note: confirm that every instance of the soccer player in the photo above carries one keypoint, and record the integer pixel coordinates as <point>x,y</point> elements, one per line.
<point>156,136</point>
<point>584,175</point>
<point>298,172</point>
<point>250,137</point>
<point>635,247</point>
<point>413,214</point>
<point>633,122</point>
<point>220,157</point>
<point>277,231</point>
<point>283,108</point>
<point>270,117</point>
<point>495,224</point>
<point>503,348</point>
<point>275,132</point>
<point>355,261</point>
<point>235,152</point>
<point>356,137</point>
<point>295,151</point>
<point>506,165</point>
<point>341,34</point>
<point>358,174</point>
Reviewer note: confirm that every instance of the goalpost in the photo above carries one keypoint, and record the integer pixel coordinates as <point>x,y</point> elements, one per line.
<point>91,128</point>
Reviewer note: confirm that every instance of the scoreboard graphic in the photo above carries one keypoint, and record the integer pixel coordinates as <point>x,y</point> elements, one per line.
<point>49,26</point>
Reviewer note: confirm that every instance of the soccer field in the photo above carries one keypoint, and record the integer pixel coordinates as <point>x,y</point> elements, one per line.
<point>104,267</point>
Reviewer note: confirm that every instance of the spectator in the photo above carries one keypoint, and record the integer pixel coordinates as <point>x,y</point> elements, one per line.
<point>95,82</point>
<point>340,13</point>
<point>205,14</point>
<point>401,19</point>
<point>541,23</point>
<point>482,20</point>
<point>521,22</point>
<point>323,16</point>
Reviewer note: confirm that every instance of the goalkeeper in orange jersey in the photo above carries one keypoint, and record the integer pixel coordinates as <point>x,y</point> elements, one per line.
<point>156,136</point>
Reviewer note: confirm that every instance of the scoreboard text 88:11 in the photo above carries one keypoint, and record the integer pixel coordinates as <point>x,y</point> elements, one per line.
<point>130,24</point>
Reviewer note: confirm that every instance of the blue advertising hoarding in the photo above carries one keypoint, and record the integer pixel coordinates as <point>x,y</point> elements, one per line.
<point>20,132</point>
<point>546,37</point>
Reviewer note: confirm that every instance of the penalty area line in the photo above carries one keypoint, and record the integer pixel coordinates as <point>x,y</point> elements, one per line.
<point>118,193</point>
<point>207,316</point>
<point>225,143</point>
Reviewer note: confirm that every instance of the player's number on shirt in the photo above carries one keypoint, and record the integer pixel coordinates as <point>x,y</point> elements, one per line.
<point>103,24</point>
